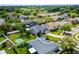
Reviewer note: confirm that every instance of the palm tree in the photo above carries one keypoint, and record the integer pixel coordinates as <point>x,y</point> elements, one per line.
<point>68,45</point>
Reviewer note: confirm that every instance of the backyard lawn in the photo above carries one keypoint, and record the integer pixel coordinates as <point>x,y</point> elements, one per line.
<point>5,46</point>
<point>1,38</point>
<point>53,38</point>
<point>16,38</point>
<point>57,32</point>
<point>22,50</point>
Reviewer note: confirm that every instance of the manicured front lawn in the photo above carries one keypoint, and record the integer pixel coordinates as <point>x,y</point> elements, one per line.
<point>53,38</point>
<point>57,32</point>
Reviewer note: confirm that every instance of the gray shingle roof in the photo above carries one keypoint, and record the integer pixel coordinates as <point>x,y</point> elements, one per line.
<point>35,29</point>
<point>43,28</point>
<point>23,17</point>
<point>43,46</point>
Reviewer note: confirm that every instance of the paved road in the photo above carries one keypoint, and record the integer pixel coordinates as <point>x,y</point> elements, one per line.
<point>58,36</point>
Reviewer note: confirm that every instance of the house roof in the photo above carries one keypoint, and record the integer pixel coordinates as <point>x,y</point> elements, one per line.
<point>73,31</point>
<point>28,22</point>
<point>65,15</point>
<point>2,52</point>
<point>52,25</point>
<point>61,23</point>
<point>23,17</point>
<point>35,29</point>
<point>73,19</point>
<point>49,14</point>
<point>42,28</point>
<point>32,50</point>
<point>43,46</point>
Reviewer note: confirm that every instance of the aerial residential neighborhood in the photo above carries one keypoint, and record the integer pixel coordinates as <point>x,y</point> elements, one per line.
<point>39,29</point>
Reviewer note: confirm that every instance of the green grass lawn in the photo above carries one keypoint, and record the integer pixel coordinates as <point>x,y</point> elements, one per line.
<point>53,38</point>
<point>22,50</point>
<point>74,25</point>
<point>15,36</point>
<point>5,46</point>
<point>1,38</point>
<point>57,32</point>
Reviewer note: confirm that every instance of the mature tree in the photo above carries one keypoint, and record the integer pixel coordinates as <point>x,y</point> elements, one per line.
<point>34,13</point>
<point>72,14</point>
<point>68,45</point>
<point>27,13</point>
<point>67,27</point>
<point>48,19</point>
<point>4,15</point>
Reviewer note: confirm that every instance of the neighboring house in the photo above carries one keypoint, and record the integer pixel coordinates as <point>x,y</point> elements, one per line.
<point>2,52</point>
<point>39,29</point>
<point>52,25</point>
<point>43,28</point>
<point>12,16</point>
<point>42,46</point>
<point>2,21</point>
<point>23,17</point>
<point>65,16</point>
<point>73,31</point>
<point>73,20</point>
<point>48,14</point>
<point>28,22</point>
<point>35,29</point>
<point>77,19</point>
<point>68,32</point>
<point>62,23</point>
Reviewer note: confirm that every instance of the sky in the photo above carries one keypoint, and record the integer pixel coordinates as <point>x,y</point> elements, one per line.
<point>38,2</point>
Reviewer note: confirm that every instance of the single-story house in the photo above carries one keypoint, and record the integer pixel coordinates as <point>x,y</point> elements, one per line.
<point>35,29</point>
<point>28,22</point>
<point>43,28</point>
<point>42,46</point>
<point>23,17</point>
<point>2,21</point>
<point>2,52</point>
<point>73,20</point>
<point>65,16</point>
<point>48,14</point>
<point>39,29</point>
<point>52,25</point>
<point>12,16</point>
<point>73,31</point>
<point>69,32</point>
<point>62,23</point>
